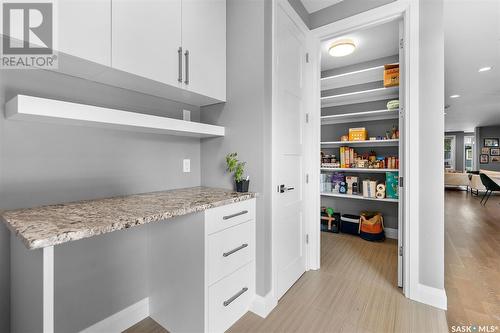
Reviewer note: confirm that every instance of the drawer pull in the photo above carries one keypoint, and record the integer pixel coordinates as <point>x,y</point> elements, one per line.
<point>227,254</point>
<point>238,294</point>
<point>227,217</point>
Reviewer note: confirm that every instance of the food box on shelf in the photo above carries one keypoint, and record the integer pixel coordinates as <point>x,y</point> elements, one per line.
<point>391,75</point>
<point>358,134</point>
<point>392,185</point>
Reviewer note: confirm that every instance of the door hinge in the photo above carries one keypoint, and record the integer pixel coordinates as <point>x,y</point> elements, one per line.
<point>401,251</point>
<point>307,57</point>
<point>401,43</point>
<point>307,238</point>
<point>307,178</point>
<point>401,180</point>
<point>307,118</point>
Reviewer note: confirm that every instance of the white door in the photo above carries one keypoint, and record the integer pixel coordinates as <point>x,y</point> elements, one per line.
<point>85,29</point>
<point>288,121</point>
<point>147,37</point>
<point>204,47</point>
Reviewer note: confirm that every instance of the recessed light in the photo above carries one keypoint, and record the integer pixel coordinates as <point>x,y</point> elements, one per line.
<point>485,69</point>
<point>455,96</point>
<point>342,48</point>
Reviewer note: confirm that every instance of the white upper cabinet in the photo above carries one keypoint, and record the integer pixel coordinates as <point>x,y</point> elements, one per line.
<point>204,38</point>
<point>85,29</point>
<point>146,38</point>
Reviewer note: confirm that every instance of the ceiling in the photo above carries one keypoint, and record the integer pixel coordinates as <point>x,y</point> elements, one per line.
<point>377,42</point>
<point>472,40</point>
<point>315,5</point>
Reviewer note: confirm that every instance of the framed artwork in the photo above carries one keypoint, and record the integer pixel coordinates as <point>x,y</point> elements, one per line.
<point>491,142</point>
<point>485,151</point>
<point>483,159</point>
<point>494,159</point>
<point>495,151</point>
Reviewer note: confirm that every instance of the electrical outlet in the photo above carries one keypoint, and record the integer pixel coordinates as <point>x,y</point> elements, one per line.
<point>186,165</point>
<point>186,115</point>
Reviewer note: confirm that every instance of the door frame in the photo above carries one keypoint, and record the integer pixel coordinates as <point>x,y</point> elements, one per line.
<point>408,12</point>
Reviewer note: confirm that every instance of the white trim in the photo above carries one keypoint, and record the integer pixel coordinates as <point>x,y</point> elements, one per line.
<point>123,319</point>
<point>408,11</point>
<point>263,305</point>
<point>391,233</point>
<point>431,296</point>
<point>48,289</point>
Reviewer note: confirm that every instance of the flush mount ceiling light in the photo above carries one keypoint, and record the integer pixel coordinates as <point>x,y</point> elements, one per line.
<point>455,96</point>
<point>484,69</point>
<point>342,48</point>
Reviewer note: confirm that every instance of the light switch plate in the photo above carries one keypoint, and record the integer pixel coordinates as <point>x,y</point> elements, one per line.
<point>186,115</point>
<point>186,165</point>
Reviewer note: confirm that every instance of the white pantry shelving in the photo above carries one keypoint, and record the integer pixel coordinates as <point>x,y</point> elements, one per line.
<point>360,96</point>
<point>365,143</point>
<point>31,108</point>
<point>359,170</point>
<point>359,116</point>
<point>357,196</point>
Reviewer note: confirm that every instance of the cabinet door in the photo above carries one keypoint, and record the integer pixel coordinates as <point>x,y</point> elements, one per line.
<point>85,29</point>
<point>146,38</point>
<point>204,36</point>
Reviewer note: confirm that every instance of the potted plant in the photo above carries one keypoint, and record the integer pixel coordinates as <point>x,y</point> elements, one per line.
<point>238,168</point>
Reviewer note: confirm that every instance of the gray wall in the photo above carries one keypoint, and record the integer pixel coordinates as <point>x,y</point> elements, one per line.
<point>46,163</point>
<point>431,134</point>
<point>487,132</point>
<point>335,12</point>
<point>247,117</point>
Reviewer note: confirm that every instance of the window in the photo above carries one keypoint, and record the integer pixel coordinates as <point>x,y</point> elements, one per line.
<point>449,152</point>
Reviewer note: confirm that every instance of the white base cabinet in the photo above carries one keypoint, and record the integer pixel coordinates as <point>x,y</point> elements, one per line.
<point>203,281</point>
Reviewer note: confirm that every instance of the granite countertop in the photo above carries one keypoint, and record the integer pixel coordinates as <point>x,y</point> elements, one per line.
<point>57,224</point>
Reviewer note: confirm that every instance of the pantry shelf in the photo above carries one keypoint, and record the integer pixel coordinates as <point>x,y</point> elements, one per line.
<point>357,197</point>
<point>31,108</point>
<point>359,116</point>
<point>360,96</point>
<point>365,143</point>
<point>360,76</point>
<point>359,170</point>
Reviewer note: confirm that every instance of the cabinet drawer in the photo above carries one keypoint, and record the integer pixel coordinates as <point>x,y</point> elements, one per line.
<point>223,217</point>
<point>230,298</point>
<point>230,249</point>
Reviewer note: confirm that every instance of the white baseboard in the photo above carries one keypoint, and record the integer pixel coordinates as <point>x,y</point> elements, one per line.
<point>391,233</point>
<point>431,296</point>
<point>263,305</point>
<point>122,320</point>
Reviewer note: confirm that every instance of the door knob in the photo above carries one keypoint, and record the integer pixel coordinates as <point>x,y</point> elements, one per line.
<point>282,188</point>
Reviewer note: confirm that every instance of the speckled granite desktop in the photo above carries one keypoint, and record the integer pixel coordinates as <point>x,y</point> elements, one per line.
<point>57,224</point>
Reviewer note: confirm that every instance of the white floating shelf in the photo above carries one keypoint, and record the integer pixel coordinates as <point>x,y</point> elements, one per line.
<point>366,143</point>
<point>357,197</point>
<point>361,76</point>
<point>360,170</point>
<point>360,96</point>
<point>359,116</point>
<point>30,108</point>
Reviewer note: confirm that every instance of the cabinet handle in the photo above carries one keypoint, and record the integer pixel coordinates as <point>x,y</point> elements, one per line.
<point>179,52</point>
<point>227,217</point>
<point>238,294</point>
<point>186,54</point>
<point>228,253</point>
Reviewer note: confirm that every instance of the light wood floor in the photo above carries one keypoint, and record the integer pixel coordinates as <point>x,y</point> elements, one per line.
<point>472,259</point>
<point>353,292</point>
